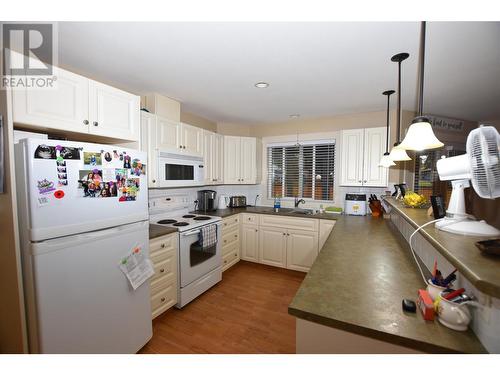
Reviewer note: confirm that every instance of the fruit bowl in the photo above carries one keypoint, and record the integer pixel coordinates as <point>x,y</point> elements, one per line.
<point>414,200</point>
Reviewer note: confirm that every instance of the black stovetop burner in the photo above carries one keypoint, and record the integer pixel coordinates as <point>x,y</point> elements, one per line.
<point>167,221</point>
<point>188,216</point>
<point>202,218</point>
<point>181,224</point>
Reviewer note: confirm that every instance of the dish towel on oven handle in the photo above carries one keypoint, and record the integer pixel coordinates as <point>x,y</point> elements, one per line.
<point>208,236</point>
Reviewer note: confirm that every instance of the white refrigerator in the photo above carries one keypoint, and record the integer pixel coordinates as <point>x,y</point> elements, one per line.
<point>83,208</point>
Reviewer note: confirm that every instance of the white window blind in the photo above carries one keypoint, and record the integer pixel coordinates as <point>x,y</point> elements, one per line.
<point>301,170</point>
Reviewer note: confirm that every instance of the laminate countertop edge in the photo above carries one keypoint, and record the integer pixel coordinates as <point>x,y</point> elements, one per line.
<point>480,282</point>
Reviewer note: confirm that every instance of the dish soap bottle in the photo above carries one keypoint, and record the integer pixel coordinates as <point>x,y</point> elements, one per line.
<point>277,204</point>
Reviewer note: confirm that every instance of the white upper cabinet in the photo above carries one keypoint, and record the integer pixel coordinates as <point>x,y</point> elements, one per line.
<point>64,108</point>
<point>240,160</point>
<point>352,157</point>
<point>361,150</point>
<point>232,160</point>
<point>373,175</point>
<point>213,155</point>
<point>114,113</point>
<point>168,135</point>
<point>81,105</point>
<point>248,160</point>
<point>148,144</point>
<point>191,140</point>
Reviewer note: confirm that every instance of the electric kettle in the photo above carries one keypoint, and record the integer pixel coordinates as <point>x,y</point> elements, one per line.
<point>223,201</point>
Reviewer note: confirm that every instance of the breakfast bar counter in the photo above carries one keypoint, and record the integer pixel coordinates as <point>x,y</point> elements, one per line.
<point>356,287</point>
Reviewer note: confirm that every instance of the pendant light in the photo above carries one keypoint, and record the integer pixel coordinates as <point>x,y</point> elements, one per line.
<point>397,153</point>
<point>386,160</point>
<point>420,135</point>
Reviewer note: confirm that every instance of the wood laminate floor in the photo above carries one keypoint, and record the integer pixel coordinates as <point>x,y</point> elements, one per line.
<point>245,313</point>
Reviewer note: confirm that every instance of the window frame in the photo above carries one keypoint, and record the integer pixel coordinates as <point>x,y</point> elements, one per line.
<point>318,142</point>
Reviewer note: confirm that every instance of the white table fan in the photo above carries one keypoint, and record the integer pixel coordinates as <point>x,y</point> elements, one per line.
<point>481,166</point>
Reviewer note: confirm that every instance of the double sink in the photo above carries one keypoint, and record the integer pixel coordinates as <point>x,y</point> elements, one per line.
<point>300,211</point>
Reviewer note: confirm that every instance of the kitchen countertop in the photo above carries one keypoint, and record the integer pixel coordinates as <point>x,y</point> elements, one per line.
<point>160,230</point>
<point>225,212</point>
<point>358,281</point>
<point>483,271</point>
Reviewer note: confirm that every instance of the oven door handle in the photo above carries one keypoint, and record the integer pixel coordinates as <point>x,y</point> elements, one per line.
<point>191,232</point>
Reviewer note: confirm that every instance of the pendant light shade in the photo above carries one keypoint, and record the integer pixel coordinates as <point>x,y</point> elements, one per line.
<point>386,160</point>
<point>397,153</point>
<point>420,135</point>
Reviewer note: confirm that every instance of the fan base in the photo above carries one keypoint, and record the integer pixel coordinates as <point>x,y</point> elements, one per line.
<point>467,227</point>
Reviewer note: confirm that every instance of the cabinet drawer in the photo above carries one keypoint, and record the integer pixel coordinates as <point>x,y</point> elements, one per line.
<point>231,237</point>
<point>165,268</point>
<point>163,300</point>
<point>250,219</point>
<point>289,222</point>
<point>234,246</point>
<point>230,259</point>
<point>159,247</point>
<point>162,283</point>
<point>230,222</point>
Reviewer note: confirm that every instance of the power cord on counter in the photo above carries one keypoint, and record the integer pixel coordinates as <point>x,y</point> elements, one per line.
<point>418,229</point>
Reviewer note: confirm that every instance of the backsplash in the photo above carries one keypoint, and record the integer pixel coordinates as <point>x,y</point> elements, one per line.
<point>250,191</point>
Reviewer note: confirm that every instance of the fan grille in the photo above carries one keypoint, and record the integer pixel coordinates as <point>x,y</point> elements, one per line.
<point>483,145</point>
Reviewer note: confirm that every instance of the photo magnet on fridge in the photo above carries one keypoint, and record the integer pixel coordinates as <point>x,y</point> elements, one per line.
<point>137,168</point>
<point>45,186</point>
<point>92,158</point>
<point>71,153</point>
<point>45,152</point>
<point>107,157</point>
<point>126,161</point>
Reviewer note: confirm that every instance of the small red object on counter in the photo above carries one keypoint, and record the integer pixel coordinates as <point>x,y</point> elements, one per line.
<point>455,293</point>
<point>425,304</point>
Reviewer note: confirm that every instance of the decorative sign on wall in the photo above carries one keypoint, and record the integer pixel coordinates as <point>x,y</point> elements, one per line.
<point>449,124</point>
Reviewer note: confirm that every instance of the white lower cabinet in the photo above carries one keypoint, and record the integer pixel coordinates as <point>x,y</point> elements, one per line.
<point>250,243</point>
<point>301,249</point>
<point>230,241</point>
<point>163,254</point>
<point>325,228</point>
<point>272,246</point>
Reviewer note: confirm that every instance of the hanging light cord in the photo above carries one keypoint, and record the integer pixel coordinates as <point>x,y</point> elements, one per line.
<point>398,127</point>
<point>387,131</point>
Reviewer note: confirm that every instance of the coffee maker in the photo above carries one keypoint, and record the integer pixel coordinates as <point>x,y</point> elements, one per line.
<point>206,200</point>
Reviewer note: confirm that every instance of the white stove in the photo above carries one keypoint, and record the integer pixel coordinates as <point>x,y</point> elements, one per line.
<point>183,221</point>
<point>199,268</point>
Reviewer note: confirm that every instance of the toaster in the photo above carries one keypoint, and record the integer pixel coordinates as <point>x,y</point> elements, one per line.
<point>238,201</point>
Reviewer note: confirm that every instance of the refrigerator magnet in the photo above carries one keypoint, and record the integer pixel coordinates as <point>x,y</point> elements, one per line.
<point>59,194</point>
<point>45,186</point>
<point>92,158</point>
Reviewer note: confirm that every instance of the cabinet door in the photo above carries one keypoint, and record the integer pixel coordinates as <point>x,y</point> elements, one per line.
<point>192,140</point>
<point>250,243</point>
<point>351,164</point>
<point>301,249</point>
<point>65,107</point>
<point>113,113</point>
<point>208,156</point>
<point>232,160</point>
<point>168,135</point>
<point>374,148</point>
<point>148,144</point>
<point>218,158</point>
<point>248,173</point>
<point>272,246</point>
<point>325,228</point>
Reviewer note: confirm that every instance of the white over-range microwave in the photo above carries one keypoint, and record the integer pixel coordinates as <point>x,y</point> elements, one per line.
<point>177,170</point>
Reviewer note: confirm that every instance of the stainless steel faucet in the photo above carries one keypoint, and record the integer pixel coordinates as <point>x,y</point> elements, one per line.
<point>299,201</point>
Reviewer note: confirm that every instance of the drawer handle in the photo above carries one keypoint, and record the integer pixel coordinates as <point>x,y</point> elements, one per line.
<point>225,241</point>
<point>162,270</point>
<point>163,245</point>
<point>225,261</point>
<point>235,255</point>
<point>235,236</point>
<point>249,218</point>
<point>256,230</point>
<point>225,224</point>
<point>284,234</point>
<point>163,299</point>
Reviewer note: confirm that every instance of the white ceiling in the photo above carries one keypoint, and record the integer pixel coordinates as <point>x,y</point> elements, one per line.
<point>315,69</point>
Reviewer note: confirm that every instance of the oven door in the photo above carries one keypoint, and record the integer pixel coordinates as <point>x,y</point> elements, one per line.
<point>194,261</point>
<point>180,170</point>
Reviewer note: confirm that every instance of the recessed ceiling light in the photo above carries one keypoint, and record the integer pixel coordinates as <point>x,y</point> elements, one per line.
<point>296,115</point>
<point>261,85</point>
